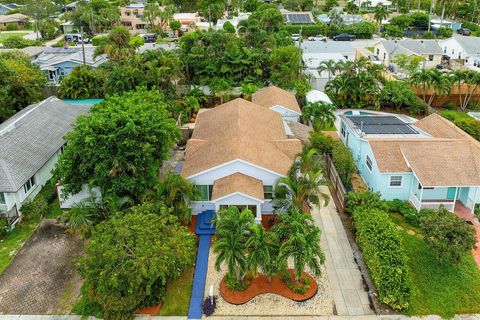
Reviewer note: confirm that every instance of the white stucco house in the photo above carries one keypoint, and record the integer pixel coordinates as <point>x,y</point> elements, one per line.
<point>430,50</point>
<point>314,53</point>
<point>466,49</point>
<point>30,144</point>
<point>237,152</point>
<point>278,100</point>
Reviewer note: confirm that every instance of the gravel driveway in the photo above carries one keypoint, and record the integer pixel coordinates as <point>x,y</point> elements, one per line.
<point>41,279</point>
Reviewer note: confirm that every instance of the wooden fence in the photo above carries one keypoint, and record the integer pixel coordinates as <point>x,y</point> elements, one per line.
<point>337,184</point>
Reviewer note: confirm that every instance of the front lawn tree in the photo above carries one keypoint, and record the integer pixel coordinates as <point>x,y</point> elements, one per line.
<point>119,146</point>
<point>448,236</point>
<point>130,259</point>
<point>319,113</point>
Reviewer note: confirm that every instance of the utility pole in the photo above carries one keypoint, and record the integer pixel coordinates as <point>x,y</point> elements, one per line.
<point>83,45</point>
<point>430,16</point>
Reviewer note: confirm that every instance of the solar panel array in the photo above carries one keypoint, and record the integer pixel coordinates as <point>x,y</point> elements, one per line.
<point>297,18</point>
<point>381,125</point>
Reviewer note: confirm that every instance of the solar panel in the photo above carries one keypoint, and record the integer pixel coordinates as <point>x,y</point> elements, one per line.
<point>381,125</point>
<point>299,18</point>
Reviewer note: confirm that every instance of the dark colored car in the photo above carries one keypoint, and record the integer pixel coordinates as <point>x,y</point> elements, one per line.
<point>149,37</point>
<point>344,37</point>
<point>464,31</point>
<point>76,37</point>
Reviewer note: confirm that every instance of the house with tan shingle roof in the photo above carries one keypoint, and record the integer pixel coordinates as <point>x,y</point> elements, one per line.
<point>428,162</point>
<point>237,152</point>
<point>279,100</point>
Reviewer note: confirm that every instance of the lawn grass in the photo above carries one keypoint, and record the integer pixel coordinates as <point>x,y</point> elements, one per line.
<point>453,115</point>
<point>442,289</point>
<point>14,239</point>
<point>5,35</point>
<point>329,127</point>
<point>177,299</point>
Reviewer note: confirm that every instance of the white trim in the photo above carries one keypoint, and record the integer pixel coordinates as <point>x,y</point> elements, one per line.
<point>395,187</point>
<point>233,161</point>
<point>285,108</point>
<point>238,193</point>
<point>366,165</point>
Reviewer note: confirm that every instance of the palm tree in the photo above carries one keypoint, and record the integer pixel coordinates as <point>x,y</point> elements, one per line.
<point>262,249</point>
<point>422,79</point>
<point>303,247</point>
<point>319,113</point>
<point>459,78</point>
<point>472,79</point>
<point>330,66</point>
<point>380,13</point>
<point>442,84</point>
<point>247,90</point>
<point>220,88</point>
<point>231,251</point>
<point>306,161</point>
<point>292,222</point>
<point>117,46</point>
<point>335,18</point>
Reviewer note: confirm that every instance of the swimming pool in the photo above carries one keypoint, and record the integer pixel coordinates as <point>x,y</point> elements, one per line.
<point>361,113</point>
<point>83,101</point>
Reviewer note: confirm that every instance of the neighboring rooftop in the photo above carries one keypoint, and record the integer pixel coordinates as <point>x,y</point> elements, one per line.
<point>31,52</point>
<point>274,96</point>
<point>16,17</point>
<point>241,130</point>
<point>299,17</point>
<point>332,47</point>
<point>53,56</point>
<point>410,46</point>
<point>31,137</point>
<point>447,157</point>
<point>471,45</point>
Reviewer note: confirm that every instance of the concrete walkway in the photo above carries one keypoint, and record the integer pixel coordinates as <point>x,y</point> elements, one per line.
<point>349,295</point>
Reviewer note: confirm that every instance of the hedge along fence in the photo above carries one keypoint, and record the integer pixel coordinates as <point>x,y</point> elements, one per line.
<point>384,256</point>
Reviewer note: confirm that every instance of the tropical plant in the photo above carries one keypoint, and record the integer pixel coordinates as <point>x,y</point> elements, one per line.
<point>127,264</point>
<point>82,83</point>
<point>432,82</point>
<point>220,89</point>
<point>118,44</point>
<point>319,113</point>
<point>262,247</point>
<point>380,13</point>
<point>330,66</point>
<point>247,90</point>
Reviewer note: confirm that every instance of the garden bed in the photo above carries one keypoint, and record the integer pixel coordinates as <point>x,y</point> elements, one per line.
<point>260,285</point>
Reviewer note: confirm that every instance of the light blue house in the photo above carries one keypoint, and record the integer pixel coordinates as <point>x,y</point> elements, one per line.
<point>57,63</point>
<point>429,162</point>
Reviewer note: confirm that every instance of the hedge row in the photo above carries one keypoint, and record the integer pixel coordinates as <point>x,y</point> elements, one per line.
<point>384,255</point>
<point>470,126</point>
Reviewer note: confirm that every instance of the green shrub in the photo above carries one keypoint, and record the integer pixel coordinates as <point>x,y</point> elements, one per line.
<point>449,106</point>
<point>321,142</point>
<point>235,285</point>
<point>362,30</point>
<point>99,40</point>
<point>474,105</point>
<point>470,25</point>
<point>393,31</point>
<point>344,163</point>
<point>365,199</point>
<point>11,27</point>
<point>3,227</point>
<point>447,235</point>
<point>411,215</point>
<point>384,256</point>
<point>18,42</point>
<point>428,35</point>
<point>301,287</point>
<point>445,32</point>
<point>470,126</point>
<point>36,208</point>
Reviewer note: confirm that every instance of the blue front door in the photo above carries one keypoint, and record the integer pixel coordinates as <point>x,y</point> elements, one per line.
<point>451,193</point>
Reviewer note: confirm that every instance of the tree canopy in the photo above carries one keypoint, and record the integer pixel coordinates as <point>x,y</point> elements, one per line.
<point>119,146</point>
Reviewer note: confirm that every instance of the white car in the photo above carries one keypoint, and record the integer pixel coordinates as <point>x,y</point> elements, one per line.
<point>295,37</point>
<point>317,38</point>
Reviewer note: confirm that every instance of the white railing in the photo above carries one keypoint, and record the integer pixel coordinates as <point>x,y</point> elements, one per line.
<point>413,200</point>
<point>431,204</point>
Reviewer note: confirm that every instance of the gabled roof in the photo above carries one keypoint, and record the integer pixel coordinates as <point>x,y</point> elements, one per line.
<point>471,45</point>
<point>237,182</point>
<point>409,46</point>
<point>16,17</point>
<point>240,130</point>
<point>54,56</point>
<point>31,137</point>
<point>450,157</point>
<point>332,47</point>
<point>274,96</point>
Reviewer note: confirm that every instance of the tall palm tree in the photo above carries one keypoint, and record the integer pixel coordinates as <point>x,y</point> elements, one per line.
<point>231,251</point>
<point>422,79</point>
<point>330,66</point>
<point>305,161</point>
<point>319,113</point>
<point>472,79</point>
<point>380,13</point>
<point>262,247</point>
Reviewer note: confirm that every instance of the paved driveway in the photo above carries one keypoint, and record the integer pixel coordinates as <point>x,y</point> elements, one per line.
<point>41,278</point>
<point>345,279</point>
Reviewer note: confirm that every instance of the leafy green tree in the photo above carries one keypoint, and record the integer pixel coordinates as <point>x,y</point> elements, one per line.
<point>247,90</point>
<point>212,9</point>
<point>21,83</point>
<point>95,15</point>
<point>228,27</point>
<point>419,19</point>
<point>329,4</point>
<point>403,21</point>
<point>130,260</point>
<point>220,89</point>
<point>175,25</point>
<point>319,113</point>
<point>269,17</point>
<point>302,87</point>
<point>18,42</point>
<point>48,28</point>
<point>136,42</point>
<point>398,95</point>
<point>39,10</point>
<point>251,5</point>
<point>118,44</point>
<point>285,66</point>
<point>448,236</point>
<point>119,146</point>
<point>401,60</point>
<point>82,83</point>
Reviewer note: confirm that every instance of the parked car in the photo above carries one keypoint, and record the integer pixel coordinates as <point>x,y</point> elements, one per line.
<point>295,37</point>
<point>76,37</point>
<point>149,37</point>
<point>318,37</point>
<point>464,31</point>
<point>344,37</point>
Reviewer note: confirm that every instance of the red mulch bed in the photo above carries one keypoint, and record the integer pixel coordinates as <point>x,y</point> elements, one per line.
<point>260,285</point>
<point>152,311</point>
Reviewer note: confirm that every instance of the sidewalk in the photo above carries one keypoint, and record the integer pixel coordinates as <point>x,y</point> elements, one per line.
<point>349,295</point>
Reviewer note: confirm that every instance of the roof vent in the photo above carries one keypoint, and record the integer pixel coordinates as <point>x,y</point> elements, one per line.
<point>421,41</point>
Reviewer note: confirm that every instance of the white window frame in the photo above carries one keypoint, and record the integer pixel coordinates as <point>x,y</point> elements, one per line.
<point>343,129</point>
<point>395,179</point>
<point>367,160</point>
<point>29,185</point>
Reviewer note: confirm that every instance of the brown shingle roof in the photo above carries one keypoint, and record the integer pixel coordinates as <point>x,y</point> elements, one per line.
<point>240,129</point>
<point>450,158</point>
<point>237,182</point>
<point>272,96</point>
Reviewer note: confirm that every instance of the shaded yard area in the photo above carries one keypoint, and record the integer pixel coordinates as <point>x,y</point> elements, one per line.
<point>442,289</point>
<point>178,295</point>
<point>41,278</point>
<point>5,35</point>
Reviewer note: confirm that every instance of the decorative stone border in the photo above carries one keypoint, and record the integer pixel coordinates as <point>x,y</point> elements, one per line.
<point>260,285</point>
